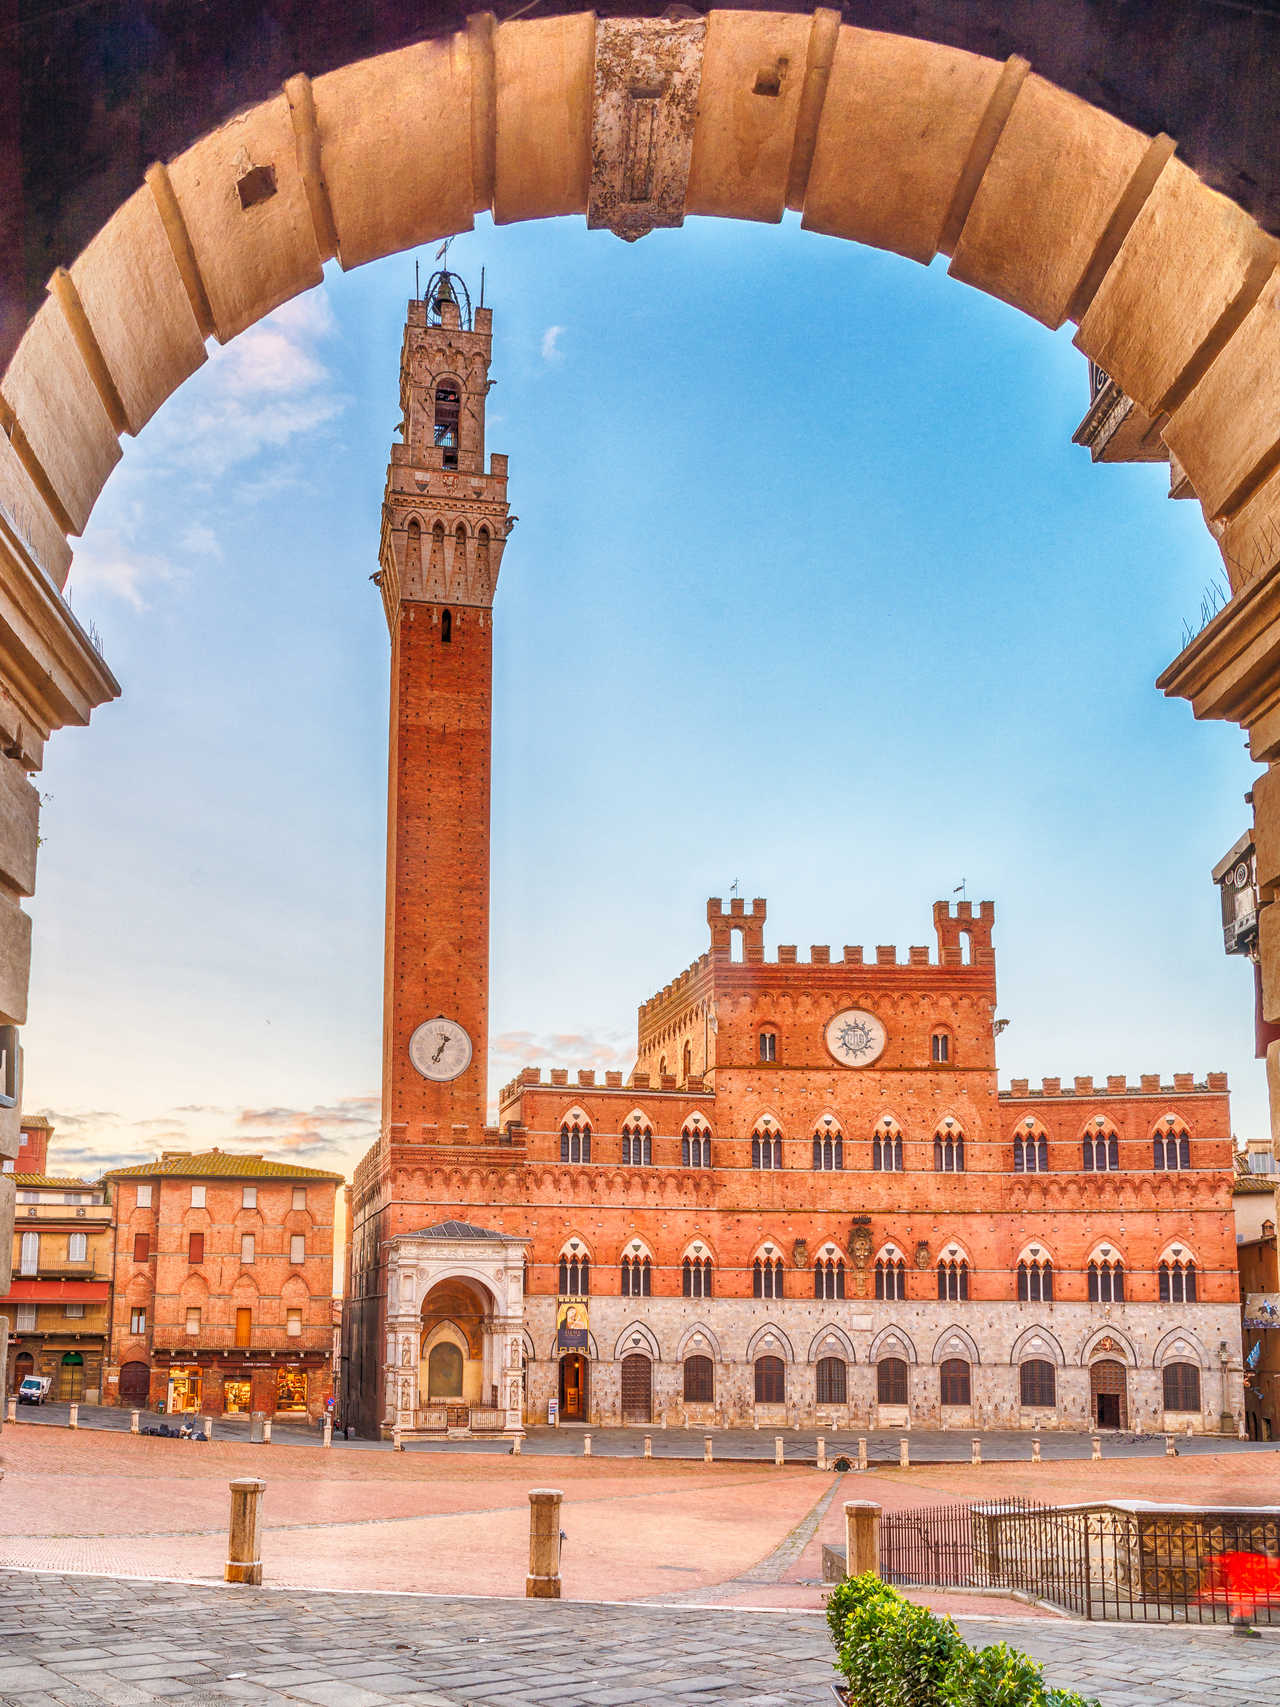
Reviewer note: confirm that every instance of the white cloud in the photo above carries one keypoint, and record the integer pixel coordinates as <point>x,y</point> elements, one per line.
<point>551,351</point>
<point>108,563</point>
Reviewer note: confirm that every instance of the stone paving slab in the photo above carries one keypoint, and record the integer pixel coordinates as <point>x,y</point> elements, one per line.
<point>268,1648</point>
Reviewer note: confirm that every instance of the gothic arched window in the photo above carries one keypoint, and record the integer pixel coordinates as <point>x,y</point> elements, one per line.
<point>575,1140</point>
<point>953,1279</point>
<point>448,416</point>
<point>1030,1149</point>
<point>828,1277</point>
<point>636,1276</point>
<point>766,1146</point>
<point>1035,1280</point>
<point>637,1143</point>
<point>886,1147</point>
<point>1106,1280</point>
<point>948,1148</point>
<point>1178,1282</point>
<point>828,1149</point>
<point>891,1276</point>
<point>696,1277</point>
<point>1171,1144</point>
<point>766,1277</point>
<point>1100,1147</point>
<point>695,1144</point>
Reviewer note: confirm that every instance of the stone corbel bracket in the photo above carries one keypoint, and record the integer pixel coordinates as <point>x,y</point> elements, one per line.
<point>648,72</point>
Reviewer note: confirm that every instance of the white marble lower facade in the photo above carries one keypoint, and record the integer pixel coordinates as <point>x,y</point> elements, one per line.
<point>994,1339</point>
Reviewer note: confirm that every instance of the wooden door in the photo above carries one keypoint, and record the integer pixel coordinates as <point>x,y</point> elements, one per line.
<point>1108,1389</point>
<point>637,1389</point>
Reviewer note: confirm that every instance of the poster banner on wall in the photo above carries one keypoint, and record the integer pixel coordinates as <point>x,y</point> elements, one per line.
<point>1262,1310</point>
<point>571,1325</point>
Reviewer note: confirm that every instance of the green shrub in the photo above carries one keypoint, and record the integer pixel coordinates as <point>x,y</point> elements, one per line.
<point>896,1654</point>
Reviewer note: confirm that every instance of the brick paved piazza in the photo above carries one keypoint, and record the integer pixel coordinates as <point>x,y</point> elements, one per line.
<point>699,1544</point>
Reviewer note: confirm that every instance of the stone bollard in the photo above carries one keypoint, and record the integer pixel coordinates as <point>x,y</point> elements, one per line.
<point>1170,1450</point>
<point>1097,1446</point>
<point>862,1537</point>
<point>326,1438</point>
<point>516,1444</point>
<point>135,1422</point>
<point>706,1449</point>
<point>777,1449</point>
<point>1191,1429</point>
<point>13,1408</point>
<point>648,1446</point>
<point>243,1562</point>
<point>822,1453</point>
<point>397,1442</point>
<point>904,1454</point>
<point>208,1427</point>
<point>1035,1450</point>
<point>586,1446</point>
<point>73,1417</point>
<point>266,1431</point>
<point>543,1581</point>
<point>862,1455</point>
<point>975,1452</point>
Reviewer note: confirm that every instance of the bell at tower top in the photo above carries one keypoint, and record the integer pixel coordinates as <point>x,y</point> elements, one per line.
<point>445,518</point>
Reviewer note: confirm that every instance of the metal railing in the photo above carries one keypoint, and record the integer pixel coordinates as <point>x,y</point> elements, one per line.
<point>1136,1563</point>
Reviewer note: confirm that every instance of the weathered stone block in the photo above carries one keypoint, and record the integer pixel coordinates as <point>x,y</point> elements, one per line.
<point>752,78</point>
<point>1266,826</point>
<point>246,212</point>
<point>1186,258</point>
<point>139,310</point>
<point>897,125</point>
<point>393,185</point>
<point>1269,955</point>
<point>24,511</point>
<point>1230,424</point>
<point>1250,539</point>
<point>58,408</point>
<point>19,827</point>
<point>15,961</point>
<point>544,74</point>
<point>1053,182</point>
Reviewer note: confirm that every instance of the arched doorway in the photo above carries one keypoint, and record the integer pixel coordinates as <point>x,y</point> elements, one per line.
<point>1108,1394</point>
<point>135,1384</point>
<point>637,1388</point>
<point>71,1377</point>
<point>574,1387</point>
<point>23,1365</point>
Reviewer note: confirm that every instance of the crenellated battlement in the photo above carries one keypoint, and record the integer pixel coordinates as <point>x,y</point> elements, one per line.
<point>1116,1085</point>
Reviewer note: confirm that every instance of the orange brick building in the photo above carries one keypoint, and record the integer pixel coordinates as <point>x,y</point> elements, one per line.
<point>223,1285</point>
<point>808,1199</point>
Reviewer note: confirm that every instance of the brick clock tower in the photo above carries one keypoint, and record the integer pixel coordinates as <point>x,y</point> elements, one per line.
<point>444,525</point>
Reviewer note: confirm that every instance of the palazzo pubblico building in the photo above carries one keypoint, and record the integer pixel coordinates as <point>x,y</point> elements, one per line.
<point>809,1201</point>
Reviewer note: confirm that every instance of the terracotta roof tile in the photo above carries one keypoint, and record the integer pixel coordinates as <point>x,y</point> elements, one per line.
<point>181,1164</point>
<point>50,1182</point>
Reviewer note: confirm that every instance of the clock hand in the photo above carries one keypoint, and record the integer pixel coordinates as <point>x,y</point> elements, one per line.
<point>444,1044</point>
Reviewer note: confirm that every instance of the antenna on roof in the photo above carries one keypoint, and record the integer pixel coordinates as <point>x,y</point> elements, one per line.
<point>961,890</point>
<point>417,286</point>
<point>482,287</point>
<point>733,887</point>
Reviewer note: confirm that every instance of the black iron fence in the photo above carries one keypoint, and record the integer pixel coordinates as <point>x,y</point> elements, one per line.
<point>1131,1562</point>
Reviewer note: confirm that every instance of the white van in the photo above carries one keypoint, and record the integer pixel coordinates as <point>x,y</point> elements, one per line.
<point>34,1389</point>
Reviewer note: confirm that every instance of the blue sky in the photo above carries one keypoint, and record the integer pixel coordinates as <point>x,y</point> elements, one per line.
<point>810,590</point>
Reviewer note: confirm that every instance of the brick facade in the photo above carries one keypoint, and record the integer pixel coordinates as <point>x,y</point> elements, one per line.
<point>741,1168</point>
<point>216,1306</point>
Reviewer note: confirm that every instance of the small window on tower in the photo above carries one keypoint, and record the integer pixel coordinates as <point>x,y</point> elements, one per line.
<point>941,1048</point>
<point>448,409</point>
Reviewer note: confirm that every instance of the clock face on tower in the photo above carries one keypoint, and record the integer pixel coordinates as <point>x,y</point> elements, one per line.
<point>440,1049</point>
<point>855,1037</point>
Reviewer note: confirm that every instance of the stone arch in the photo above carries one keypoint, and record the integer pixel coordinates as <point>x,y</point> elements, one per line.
<point>892,1342</point>
<point>1180,1345</point>
<point>637,1336</point>
<point>1107,1341</point>
<point>698,1339</point>
<point>832,1341</point>
<point>956,1341</point>
<point>1038,1342</point>
<point>769,1341</point>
